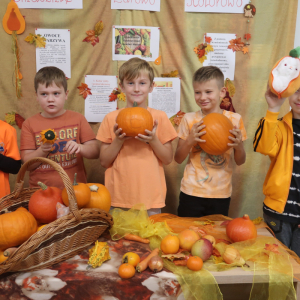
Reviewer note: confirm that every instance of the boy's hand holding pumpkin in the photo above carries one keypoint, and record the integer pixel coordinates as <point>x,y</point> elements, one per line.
<point>195,134</point>
<point>119,135</point>
<point>237,140</point>
<point>151,135</point>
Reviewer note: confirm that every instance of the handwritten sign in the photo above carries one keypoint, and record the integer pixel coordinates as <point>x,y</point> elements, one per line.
<point>151,5</point>
<point>216,6</point>
<point>50,4</point>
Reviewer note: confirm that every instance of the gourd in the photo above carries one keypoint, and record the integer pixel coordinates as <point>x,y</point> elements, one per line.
<point>16,227</point>
<point>241,229</point>
<point>134,120</point>
<point>42,203</point>
<point>48,136</point>
<point>100,197</point>
<point>82,194</point>
<point>13,19</point>
<point>217,133</point>
<point>284,79</point>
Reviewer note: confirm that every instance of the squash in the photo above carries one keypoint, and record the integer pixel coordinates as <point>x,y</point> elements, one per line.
<point>42,203</point>
<point>48,136</point>
<point>100,197</point>
<point>241,229</point>
<point>13,19</point>
<point>134,120</point>
<point>82,194</point>
<point>217,133</point>
<point>16,227</point>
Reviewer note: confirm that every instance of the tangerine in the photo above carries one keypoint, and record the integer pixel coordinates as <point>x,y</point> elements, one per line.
<point>194,263</point>
<point>170,244</point>
<point>126,271</point>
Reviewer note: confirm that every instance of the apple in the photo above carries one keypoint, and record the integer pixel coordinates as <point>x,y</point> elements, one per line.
<point>143,48</point>
<point>202,248</point>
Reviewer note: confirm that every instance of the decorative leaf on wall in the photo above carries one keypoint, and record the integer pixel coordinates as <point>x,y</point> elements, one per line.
<point>93,35</point>
<point>122,97</point>
<point>117,94</point>
<point>36,39</point>
<point>245,50</point>
<point>236,44</point>
<point>247,36</point>
<point>13,118</point>
<point>171,74</point>
<point>84,90</point>
<point>230,87</point>
<point>208,39</point>
<point>202,49</point>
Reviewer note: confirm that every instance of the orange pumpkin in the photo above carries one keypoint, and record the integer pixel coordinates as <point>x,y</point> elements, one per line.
<point>169,244</point>
<point>82,194</point>
<point>2,257</point>
<point>42,203</point>
<point>194,263</point>
<point>134,120</point>
<point>13,19</point>
<point>126,271</point>
<point>241,229</point>
<point>16,227</point>
<point>100,197</point>
<point>217,133</point>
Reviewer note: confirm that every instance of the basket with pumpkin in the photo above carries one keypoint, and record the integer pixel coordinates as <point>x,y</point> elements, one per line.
<point>56,241</point>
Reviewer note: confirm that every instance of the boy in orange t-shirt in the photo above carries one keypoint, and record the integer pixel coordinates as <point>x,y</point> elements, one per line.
<point>206,184</point>
<point>134,165</point>
<point>75,137</point>
<point>10,160</point>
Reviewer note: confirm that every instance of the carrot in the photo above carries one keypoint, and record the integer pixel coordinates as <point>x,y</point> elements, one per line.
<point>133,237</point>
<point>9,251</point>
<point>142,266</point>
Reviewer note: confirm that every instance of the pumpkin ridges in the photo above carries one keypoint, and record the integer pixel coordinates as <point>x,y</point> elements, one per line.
<point>99,199</point>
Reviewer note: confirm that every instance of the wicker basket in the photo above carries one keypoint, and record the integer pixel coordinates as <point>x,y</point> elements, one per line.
<point>58,240</point>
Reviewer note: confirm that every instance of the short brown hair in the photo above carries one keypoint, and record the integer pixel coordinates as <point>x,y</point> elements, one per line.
<point>132,68</point>
<point>48,75</point>
<point>208,73</point>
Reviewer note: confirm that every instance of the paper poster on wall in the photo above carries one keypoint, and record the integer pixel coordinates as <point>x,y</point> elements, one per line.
<point>150,5</point>
<point>97,105</point>
<point>135,41</point>
<point>165,95</point>
<point>57,52</point>
<point>50,4</point>
<point>215,6</point>
<point>221,57</point>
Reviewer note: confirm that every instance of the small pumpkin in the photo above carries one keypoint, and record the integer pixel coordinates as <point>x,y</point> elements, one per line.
<point>98,254</point>
<point>82,194</point>
<point>16,227</point>
<point>241,229</point>
<point>100,197</point>
<point>13,19</point>
<point>217,133</point>
<point>42,203</point>
<point>2,257</point>
<point>48,136</point>
<point>134,120</point>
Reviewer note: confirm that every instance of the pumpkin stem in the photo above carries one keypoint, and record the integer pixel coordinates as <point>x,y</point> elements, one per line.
<point>75,182</point>
<point>42,185</point>
<point>246,217</point>
<point>94,188</point>
<point>135,104</point>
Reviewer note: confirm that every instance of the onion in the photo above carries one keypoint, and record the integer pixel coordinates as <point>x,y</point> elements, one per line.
<point>233,256</point>
<point>156,263</point>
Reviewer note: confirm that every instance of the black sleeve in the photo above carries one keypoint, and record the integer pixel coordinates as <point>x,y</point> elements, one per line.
<point>9,165</point>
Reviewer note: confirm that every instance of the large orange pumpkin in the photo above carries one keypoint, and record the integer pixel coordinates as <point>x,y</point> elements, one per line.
<point>241,229</point>
<point>169,244</point>
<point>82,193</point>
<point>42,203</point>
<point>16,227</point>
<point>100,197</point>
<point>217,133</point>
<point>134,120</point>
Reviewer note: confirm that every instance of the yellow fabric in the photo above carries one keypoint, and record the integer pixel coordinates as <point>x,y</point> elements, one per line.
<point>275,139</point>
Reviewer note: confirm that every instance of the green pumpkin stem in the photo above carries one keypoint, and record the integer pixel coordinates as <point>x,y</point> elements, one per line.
<point>42,185</point>
<point>75,182</point>
<point>135,104</point>
<point>295,52</point>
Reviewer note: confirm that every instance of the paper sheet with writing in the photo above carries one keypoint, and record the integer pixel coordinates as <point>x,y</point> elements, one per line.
<point>165,95</point>
<point>150,5</point>
<point>215,6</point>
<point>57,52</point>
<point>97,105</point>
<point>50,4</point>
<point>135,41</point>
<point>221,57</point>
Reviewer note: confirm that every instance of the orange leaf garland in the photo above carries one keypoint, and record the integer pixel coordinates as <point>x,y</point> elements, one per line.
<point>93,35</point>
<point>247,36</point>
<point>236,44</point>
<point>84,90</point>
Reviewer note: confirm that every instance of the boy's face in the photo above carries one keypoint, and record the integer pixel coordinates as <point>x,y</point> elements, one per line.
<point>294,101</point>
<point>51,99</point>
<point>207,95</point>
<point>137,90</point>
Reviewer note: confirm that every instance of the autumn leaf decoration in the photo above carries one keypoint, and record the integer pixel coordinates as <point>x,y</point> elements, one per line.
<point>176,119</point>
<point>238,45</point>
<point>93,35</point>
<point>14,118</point>
<point>226,102</point>
<point>84,90</point>
<point>171,74</point>
<point>202,49</point>
<point>117,94</point>
<point>36,39</point>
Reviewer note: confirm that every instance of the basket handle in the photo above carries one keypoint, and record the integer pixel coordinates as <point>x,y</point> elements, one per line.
<point>65,178</point>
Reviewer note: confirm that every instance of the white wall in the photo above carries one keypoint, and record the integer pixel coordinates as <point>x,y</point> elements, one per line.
<point>297,33</point>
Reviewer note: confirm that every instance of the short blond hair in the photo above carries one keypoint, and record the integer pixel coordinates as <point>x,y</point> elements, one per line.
<point>50,75</point>
<point>207,73</point>
<point>133,68</point>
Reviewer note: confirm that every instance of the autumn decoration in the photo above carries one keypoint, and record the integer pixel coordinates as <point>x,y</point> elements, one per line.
<point>48,136</point>
<point>14,23</point>
<point>238,45</point>
<point>117,94</point>
<point>14,118</point>
<point>98,254</point>
<point>100,197</point>
<point>84,90</point>
<point>171,74</point>
<point>36,39</point>
<point>158,61</point>
<point>93,35</point>
<point>203,49</point>
<point>134,120</point>
<point>217,133</point>
<point>226,102</point>
<point>176,119</point>
<point>249,12</point>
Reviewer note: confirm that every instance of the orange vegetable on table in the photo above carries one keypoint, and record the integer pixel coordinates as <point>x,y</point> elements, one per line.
<point>136,238</point>
<point>142,266</point>
<point>126,271</point>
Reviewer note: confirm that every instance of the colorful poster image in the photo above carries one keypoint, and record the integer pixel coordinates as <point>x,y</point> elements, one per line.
<point>150,5</point>
<point>134,41</point>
